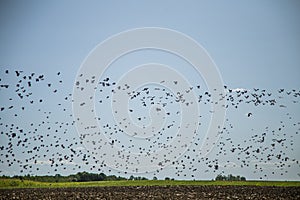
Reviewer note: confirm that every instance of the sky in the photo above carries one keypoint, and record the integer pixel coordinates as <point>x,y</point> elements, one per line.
<point>254,44</point>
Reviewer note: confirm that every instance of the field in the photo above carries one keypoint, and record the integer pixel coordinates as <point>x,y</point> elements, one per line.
<point>16,189</point>
<point>16,183</point>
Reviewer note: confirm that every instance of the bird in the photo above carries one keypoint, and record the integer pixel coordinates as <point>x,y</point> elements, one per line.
<point>50,136</point>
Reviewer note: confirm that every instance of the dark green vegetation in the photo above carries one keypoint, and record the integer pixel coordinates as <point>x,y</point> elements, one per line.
<point>85,179</point>
<point>79,177</point>
<point>230,177</point>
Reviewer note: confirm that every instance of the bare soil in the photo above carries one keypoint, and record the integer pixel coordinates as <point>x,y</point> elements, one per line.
<point>155,192</point>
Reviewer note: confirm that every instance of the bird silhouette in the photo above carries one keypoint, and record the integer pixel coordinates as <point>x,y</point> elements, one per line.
<point>37,126</point>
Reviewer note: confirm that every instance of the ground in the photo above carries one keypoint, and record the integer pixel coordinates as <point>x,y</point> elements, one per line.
<point>155,192</point>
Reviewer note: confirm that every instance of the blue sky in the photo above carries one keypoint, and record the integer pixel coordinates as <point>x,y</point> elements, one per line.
<point>255,44</point>
<point>242,37</point>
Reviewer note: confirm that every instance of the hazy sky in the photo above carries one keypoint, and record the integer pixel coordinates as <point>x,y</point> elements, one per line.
<point>255,44</point>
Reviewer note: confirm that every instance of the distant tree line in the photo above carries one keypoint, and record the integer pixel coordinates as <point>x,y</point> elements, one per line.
<point>79,177</point>
<point>86,176</point>
<point>229,177</point>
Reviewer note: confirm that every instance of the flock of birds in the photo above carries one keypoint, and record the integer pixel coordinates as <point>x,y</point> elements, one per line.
<point>38,129</point>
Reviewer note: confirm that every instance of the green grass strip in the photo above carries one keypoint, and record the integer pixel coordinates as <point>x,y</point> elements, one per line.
<point>16,183</point>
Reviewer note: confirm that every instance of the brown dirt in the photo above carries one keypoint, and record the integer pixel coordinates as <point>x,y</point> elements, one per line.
<point>155,192</point>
